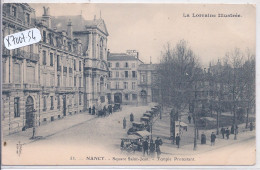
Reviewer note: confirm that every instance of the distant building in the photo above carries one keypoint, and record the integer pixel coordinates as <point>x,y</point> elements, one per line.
<point>148,84</point>
<point>123,77</point>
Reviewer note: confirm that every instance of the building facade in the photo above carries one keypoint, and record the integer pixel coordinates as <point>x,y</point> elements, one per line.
<point>148,84</point>
<point>64,74</point>
<point>123,77</point>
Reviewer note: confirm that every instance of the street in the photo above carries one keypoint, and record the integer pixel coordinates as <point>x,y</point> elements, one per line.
<point>79,136</point>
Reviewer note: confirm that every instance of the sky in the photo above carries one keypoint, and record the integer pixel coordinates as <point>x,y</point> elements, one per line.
<point>147,28</point>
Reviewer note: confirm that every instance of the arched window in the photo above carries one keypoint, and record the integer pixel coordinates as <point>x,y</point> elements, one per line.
<point>117,64</point>
<point>126,64</point>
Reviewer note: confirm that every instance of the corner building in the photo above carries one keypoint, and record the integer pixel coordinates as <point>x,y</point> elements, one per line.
<point>123,77</point>
<point>64,74</point>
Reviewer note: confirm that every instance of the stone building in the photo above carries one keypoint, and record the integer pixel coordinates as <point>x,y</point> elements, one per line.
<point>64,74</point>
<point>123,77</point>
<point>93,35</point>
<point>148,87</point>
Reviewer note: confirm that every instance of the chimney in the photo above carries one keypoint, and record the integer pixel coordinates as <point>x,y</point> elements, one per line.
<point>137,55</point>
<point>69,29</point>
<point>46,16</point>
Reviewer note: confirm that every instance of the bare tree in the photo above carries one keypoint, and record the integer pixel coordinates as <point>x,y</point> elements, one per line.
<point>177,72</point>
<point>239,78</point>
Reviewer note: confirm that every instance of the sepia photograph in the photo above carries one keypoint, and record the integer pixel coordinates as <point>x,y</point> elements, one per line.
<point>128,84</point>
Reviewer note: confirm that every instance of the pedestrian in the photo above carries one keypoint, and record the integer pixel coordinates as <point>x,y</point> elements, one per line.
<point>213,138</point>
<point>122,144</point>
<point>232,129</point>
<point>227,133</point>
<point>33,136</point>
<point>93,110</point>
<point>124,123</point>
<point>89,110</point>
<point>145,147</point>
<point>131,117</point>
<point>178,140</point>
<point>236,130</point>
<point>158,142</point>
<point>251,126</point>
<point>110,109</point>
<point>104,110</point>
<point>203,138</point>
<point>223,132</point>
<point>152,147</point>
<point>189,118</point>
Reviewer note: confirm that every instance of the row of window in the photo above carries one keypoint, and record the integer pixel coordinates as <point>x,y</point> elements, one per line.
<point>126,85</point>
<point>44,61</point>
<point>126,65</point>
<point>123,74</point>
<point>60,41</point>
<point>17,104</point>
<point>70,81</point>
<point>13,12</point>
<point>134,96</point>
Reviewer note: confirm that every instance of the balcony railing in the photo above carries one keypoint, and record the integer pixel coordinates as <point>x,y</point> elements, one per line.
<point>32,87</point>
<point>6,52</point>
<point>47,89</point>
<point>26,55</point>
<point>11,86</point>
<point>65,89</point>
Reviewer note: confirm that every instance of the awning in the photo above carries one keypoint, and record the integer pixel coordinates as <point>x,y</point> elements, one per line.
<point>145,118</point>
<point>137,123</point>
<point>183,124</point>
<point>147,114</point>
<point>133,137</point>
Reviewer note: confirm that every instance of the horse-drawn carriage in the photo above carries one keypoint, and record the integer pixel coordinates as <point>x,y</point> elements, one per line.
<point>136,126</point>
<point>133,142</point>
<point>117,107</point>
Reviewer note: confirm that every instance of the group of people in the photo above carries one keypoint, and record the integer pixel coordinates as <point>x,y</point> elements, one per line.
<point>150,147</point>
<point>212,138</point>
<point>227,132</point>
<point>101,112</point>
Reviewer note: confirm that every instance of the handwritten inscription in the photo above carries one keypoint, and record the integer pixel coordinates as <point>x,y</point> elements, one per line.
<point>23,38</point>
<point>19,148</point>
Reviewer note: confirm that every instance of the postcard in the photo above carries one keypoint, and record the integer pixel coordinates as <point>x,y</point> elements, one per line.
<point>128,84</point>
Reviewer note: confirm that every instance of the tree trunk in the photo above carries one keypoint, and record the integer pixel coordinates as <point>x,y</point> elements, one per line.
<point>217,122</point>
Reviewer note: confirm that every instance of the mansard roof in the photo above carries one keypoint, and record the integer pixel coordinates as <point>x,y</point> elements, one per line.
<point>78,23</point>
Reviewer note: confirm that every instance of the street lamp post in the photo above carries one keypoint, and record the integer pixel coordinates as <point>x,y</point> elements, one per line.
<point>195,127</point>
<point>151,129</point>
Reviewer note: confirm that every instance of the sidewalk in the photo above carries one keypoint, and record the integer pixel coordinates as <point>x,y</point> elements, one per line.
<point>162,129</point>
<point>49,129</point>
